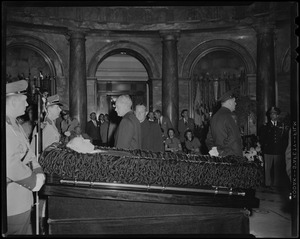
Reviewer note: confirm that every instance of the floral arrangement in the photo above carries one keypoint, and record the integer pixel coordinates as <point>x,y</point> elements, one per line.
<point>254,154</point>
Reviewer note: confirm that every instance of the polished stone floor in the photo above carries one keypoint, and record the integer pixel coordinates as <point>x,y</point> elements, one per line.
<point>273,218</point>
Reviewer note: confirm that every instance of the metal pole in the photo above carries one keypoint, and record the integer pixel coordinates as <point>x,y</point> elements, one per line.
<point>37,197</point>
<point>37,148</point>
<point>216,190</point>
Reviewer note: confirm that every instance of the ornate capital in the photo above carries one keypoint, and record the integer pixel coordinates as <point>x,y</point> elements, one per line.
<point>70,35</point>
<point>169,35</point>
<point>264,27</point>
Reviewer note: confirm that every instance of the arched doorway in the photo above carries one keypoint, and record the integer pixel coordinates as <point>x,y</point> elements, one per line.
<point>23,62</point>
<point>115,71</point>
<point>132,49</point>
<point>213,68</point>
<point>239,63</point>
<point>214,74</point>
<point>120,74</point>
<point>34,60</point>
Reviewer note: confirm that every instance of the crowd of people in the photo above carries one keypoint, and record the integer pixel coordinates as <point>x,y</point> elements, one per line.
<point>138,129</point>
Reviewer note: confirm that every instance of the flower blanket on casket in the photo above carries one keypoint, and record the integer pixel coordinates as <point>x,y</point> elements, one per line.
<point>152,168</point>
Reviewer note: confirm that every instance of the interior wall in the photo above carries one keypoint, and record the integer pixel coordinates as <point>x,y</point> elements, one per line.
<point>150,45</point>
<point>218,63</point>
<point>120,74</point>
<point>26,62</point>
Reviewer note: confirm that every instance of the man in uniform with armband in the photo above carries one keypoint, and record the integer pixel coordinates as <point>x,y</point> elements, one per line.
<point>24,175</point>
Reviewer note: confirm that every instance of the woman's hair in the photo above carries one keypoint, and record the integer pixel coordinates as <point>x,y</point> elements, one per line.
<point>185,133</point>
<point>169,129</point>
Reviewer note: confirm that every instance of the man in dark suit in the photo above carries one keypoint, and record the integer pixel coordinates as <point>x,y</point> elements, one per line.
<point>128,135</point>
<point>184,124</point>
<point>224,133</point>
<point>151,133</point>
<point>164,123</point>
<point>104,127</point>
<point>273,137</point>
<point>93,129</point>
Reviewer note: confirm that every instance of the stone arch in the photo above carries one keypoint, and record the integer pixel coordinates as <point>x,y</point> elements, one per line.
<point>216,45</point>
<point>45,50</point>
<point>131,49</point>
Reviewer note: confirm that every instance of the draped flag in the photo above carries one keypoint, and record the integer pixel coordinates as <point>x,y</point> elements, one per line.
<point>197,106</point>
<point>216,86</point>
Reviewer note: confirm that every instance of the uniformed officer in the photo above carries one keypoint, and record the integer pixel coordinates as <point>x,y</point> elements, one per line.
<point>23,173</point>
<point>224,133</point>
<point>50,133</point>
<point>273,137</point>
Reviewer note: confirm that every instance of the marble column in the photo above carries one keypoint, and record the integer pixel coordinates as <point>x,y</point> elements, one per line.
<point>77,78</point>
<point>265,81</point>
<point>170,98</point>
<point>150,94</point>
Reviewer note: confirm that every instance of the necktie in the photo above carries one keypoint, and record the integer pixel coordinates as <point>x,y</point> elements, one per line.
<point>159,121</point>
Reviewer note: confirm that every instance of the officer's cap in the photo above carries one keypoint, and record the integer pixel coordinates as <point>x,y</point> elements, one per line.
<point>274,109</point>
<point>226,96</point>
<point>53,100</point>
<point>16,87</point>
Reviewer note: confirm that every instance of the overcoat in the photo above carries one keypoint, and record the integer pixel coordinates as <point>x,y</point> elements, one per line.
<point>224,134</point>
<point>128,134</point>
<point>104,132</point>
<point>151,136</point>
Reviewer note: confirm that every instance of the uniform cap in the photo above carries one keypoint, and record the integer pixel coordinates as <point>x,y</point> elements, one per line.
<point>53,100</point>
<point>274,109</point>
<point>16,87</point>
<point>226,96</point>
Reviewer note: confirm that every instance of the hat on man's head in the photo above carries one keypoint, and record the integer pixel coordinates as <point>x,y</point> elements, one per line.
<point>274,109</point>
<point>53,100</point>
<point>226,96</point>
<point>16,87</point>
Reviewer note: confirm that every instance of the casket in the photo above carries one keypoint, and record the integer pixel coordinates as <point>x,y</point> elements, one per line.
<point>141,192</point>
